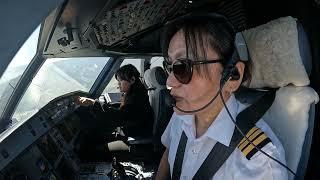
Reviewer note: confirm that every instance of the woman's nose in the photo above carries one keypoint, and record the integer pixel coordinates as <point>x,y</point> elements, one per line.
<point>172,81</point>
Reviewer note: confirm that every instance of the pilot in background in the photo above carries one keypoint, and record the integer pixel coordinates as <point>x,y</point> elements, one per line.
<point>134,116</point>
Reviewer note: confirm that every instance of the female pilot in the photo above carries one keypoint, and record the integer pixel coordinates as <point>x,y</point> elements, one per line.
<point>197,49</point>
<point>135,112</point>
<point>134,115</point>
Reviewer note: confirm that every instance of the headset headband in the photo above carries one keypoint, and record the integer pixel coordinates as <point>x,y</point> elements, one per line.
<point>239,43</point>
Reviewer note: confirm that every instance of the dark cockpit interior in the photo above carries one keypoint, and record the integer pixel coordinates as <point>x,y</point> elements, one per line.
<point>49,144</point>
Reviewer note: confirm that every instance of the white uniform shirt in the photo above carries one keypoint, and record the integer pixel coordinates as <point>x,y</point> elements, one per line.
<point>237,166</point>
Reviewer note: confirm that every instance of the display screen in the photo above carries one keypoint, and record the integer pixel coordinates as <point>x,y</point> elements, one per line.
<point>73,122</point>
<point>65,170</point>
<point>49,148</point>
<point>114,97</point>
<point>65,132</point>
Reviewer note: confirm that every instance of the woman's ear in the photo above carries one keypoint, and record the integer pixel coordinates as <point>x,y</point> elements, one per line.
<point>132,80</point>
<point>233,85</point>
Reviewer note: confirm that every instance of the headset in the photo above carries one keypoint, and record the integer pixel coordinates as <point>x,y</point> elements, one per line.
<point>229,73</point>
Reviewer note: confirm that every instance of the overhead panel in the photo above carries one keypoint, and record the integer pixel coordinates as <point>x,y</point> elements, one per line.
<point>116,25</point>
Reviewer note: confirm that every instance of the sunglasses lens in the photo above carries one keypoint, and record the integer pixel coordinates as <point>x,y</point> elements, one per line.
<point>182,71</point>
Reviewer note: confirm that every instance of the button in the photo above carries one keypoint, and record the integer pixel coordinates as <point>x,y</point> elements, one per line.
<point>194,151</point>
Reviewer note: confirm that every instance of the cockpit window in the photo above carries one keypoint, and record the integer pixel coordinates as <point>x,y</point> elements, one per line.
<point>156,61</point>
<point>18,65</point>
<point>56,77</point>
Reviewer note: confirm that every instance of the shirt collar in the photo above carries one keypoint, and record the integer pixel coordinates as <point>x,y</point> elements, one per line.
<point>222,127</point>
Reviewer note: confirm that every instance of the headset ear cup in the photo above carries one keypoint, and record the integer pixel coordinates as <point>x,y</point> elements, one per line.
<point>229,72</point>
<point>235,75</point>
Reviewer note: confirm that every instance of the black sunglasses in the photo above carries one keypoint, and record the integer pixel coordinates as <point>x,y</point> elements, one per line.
<point>183,68</point>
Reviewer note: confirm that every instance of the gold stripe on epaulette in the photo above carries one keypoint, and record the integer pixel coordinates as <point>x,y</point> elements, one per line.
<point>257,137</point>
<point>255,142</point>
<point>251,137</point>
<point>249,134</point>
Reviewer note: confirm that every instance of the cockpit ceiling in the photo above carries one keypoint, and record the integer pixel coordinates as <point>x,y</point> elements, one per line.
<point>126,26</point>
<point>112,26</point>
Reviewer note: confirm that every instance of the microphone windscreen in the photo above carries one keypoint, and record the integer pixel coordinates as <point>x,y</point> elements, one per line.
<point>169,100</point>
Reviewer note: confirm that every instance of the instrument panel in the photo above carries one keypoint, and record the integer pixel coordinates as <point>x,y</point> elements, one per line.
<point>46,147</point>
<point>46,142</point>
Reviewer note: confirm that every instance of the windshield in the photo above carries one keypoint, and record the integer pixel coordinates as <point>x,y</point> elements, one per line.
<point>56,77</point>
<point>18,65</point>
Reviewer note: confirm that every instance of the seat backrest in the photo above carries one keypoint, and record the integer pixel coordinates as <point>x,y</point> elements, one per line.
<point>281,59</point>
<point>155,79</point>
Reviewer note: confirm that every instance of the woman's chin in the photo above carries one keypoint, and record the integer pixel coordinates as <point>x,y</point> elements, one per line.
<point>179,112</point>
<point>182,107</point>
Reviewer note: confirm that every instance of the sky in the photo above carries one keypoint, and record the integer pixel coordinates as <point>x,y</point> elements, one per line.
<point>27,51</point>
<point>22,57</point>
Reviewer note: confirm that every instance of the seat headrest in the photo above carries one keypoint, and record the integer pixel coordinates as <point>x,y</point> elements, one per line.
<point>146,77</point>
<point>155,78</point>
<point>279,51</point>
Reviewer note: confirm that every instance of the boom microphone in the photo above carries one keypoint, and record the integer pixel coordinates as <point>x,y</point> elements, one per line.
<point>170,101</point>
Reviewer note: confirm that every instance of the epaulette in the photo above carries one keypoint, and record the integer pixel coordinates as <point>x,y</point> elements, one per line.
<point>257,137</point>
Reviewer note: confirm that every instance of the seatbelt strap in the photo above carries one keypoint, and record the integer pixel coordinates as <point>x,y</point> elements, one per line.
<point>220,153</point>
<point>179,156</point>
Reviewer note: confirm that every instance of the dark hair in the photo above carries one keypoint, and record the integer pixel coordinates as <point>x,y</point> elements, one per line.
<point>127,72</point>
<point>203,30</point>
